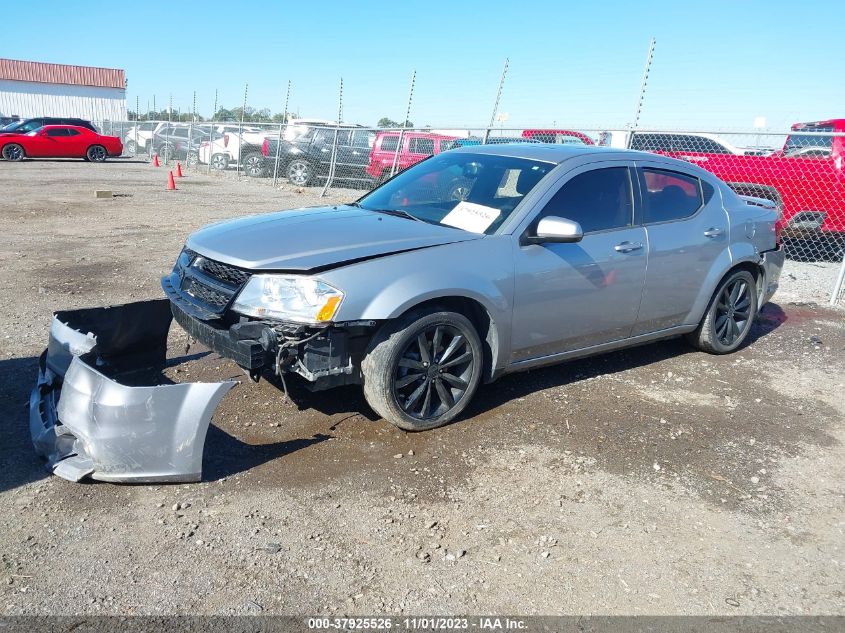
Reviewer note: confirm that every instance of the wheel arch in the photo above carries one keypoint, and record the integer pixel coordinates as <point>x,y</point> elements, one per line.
<point>725,265</point>
<point>478,315</point>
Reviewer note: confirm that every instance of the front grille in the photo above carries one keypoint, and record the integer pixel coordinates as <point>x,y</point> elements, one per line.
<point>223,272</point>
<point>206,283</point>
<point>206,295</point>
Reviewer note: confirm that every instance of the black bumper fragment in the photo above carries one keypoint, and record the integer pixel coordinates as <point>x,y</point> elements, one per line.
<point>248,353</point>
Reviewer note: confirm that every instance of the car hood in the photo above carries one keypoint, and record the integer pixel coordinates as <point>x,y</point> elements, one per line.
<point>318,238</point>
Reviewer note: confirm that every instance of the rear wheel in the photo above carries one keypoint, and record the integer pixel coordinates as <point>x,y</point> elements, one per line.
<point>729,315</point>
<point>13,151</point>
<point>422,370</point>
<point>130,148</point>
<point>193,159</point>
<point>96,154</point>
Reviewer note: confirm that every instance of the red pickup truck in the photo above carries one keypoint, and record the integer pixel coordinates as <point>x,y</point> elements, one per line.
<point>806,179</point>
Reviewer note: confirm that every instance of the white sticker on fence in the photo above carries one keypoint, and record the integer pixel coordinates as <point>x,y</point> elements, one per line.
<point>472,217</point>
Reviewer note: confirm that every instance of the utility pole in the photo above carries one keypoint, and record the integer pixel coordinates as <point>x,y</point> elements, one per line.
<point>643,84</point>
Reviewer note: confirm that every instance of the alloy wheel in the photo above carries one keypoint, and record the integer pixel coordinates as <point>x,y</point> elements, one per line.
<point>733,312</point>
<point>13,152</point>
<point>96,154</point>
<point>433,372</point>
<point>299,172</point>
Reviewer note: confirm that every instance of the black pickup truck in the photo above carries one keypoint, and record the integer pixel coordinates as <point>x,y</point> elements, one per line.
<point>307,159</point>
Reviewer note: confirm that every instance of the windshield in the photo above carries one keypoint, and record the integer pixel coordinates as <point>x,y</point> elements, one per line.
<point>25,126</point>
<point>473,192</point>
<point>809,146</point>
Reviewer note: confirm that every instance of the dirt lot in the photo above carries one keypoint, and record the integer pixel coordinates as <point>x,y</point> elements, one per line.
<point>657,480</point>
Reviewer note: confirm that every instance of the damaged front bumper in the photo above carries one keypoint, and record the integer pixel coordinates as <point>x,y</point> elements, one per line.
<point>87,424</point>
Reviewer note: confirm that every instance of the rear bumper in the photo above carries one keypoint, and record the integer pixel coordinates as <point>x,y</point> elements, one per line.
<point>772,266</point>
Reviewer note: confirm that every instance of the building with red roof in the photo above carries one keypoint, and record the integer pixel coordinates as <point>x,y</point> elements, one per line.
<point>29,89</point>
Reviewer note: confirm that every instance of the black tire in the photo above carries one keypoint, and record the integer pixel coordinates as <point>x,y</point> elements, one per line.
<point>130,148</point>
<point>193,159</point>
<point>421,371</point>
<point>167,152</point>
<point>220,162</point>
<point>728,319</point>
<point>96,154</point>
<point>13,152</point>
<point>253,165</point>
<point>299,172</point>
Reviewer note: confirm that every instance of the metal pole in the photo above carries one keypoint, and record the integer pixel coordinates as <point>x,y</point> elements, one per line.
<point>167,129</point>
<point>211,134</point>
<point>137,123</point>
<point>641,98</point>
<point>333,160</point>
<point>241,131</point>
<point>499,93</point>
<point>395,163</point>
<point>837,287</point>
<point>279,144</point>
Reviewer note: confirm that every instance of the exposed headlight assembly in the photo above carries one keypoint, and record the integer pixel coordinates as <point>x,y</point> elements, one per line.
<point>288,298</point>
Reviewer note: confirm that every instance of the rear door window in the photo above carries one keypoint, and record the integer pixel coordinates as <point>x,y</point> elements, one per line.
<point>421,146</point>
<point>389,143</point>
<point>669,195</point>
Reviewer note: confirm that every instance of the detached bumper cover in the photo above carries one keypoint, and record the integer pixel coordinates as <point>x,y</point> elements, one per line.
<point>86,424</point>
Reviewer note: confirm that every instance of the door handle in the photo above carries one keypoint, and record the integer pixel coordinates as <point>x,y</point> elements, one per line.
<point>627,247</point>
<point>713,232</point>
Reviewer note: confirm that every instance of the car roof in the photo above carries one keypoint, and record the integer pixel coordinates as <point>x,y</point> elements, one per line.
<point>430,135</point>
<point>547,152</point>
<point>53,126</point>
<point>555,153</point>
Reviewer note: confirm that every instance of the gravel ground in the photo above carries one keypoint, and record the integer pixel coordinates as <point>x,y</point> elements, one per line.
<point>656,480</point>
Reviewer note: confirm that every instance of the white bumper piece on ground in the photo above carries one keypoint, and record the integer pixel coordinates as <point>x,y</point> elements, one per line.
<point>86,424</point>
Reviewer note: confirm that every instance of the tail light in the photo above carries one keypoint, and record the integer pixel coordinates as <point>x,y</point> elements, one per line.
<point>265,147</point>
<point>205,144</point>
<point>225,140</point>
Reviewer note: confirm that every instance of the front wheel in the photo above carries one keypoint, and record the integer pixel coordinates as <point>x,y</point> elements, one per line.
<point>13,151</point>
<point>220,162</point>
<point>130,148</point>
<point>421,371</point>
<point>253,165</point>
<point>193,159</point>
<point>729,315</point>
<point>96,154</point>
<point>299,172</point>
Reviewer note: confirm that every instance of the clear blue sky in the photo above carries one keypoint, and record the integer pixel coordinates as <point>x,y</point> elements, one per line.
<point>718,63</point>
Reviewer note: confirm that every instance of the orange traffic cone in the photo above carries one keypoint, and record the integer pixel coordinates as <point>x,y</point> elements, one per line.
<point>171,184</point>
<point>178,170</point>
<point>155,160</point>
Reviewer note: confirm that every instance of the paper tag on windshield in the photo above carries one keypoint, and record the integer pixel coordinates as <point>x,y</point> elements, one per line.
<point>472,217</point>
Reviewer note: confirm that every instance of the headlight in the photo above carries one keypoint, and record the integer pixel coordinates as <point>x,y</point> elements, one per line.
<point>299,299</point>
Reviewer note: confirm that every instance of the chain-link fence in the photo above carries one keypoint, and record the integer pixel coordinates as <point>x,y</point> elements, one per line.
<point>800,170</point>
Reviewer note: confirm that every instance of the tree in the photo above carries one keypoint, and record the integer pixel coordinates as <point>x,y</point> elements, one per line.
<point>388,122</point>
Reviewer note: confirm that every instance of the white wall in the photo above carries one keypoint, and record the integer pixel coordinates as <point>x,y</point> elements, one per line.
<point>30,99</point>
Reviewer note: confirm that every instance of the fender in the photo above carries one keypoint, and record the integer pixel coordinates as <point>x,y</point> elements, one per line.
<point>387,287</point>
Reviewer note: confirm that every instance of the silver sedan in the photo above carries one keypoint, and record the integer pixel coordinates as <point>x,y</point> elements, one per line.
<point>478,262</point>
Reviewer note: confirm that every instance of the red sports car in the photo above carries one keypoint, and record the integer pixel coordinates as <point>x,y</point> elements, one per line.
<point>60,141</point>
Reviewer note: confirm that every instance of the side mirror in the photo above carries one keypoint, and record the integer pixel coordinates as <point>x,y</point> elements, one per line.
<point>552,229</point>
